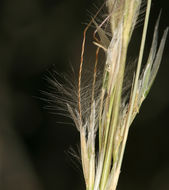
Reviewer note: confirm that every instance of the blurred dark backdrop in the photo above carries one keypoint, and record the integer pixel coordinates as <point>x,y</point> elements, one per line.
<point>37,36</point>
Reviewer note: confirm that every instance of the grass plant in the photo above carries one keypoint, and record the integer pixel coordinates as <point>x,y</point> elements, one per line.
<point>104,110</point>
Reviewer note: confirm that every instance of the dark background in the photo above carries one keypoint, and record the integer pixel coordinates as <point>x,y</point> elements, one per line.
<point>37,36</point>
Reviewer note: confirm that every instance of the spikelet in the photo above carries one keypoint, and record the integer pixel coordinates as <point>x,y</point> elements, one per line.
<point>110,104</point>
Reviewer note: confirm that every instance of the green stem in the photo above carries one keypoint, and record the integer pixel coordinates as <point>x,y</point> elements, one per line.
<point>114,119</point>
<point>133,94</point>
